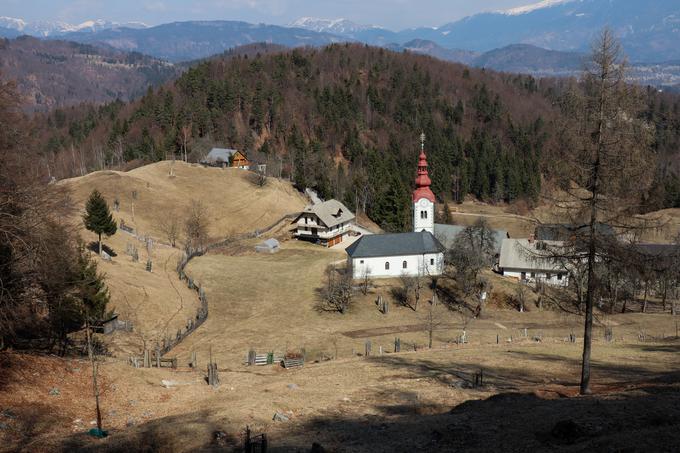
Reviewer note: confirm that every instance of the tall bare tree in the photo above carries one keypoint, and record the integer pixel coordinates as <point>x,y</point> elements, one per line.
<point>605,146</point>
<point>196,227</point>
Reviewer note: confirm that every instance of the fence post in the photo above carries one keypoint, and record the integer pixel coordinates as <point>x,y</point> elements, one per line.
<point>264,444</point>
<point>147,359</point>
<point>158,355</point>
<point>251,357</point>
<point>368,348</point>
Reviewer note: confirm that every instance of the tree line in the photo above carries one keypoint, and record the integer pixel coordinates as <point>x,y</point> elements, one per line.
<point>344,120</point>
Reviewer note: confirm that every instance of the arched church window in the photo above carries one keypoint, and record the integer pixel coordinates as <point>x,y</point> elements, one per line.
<point>403,265</point>
<point>387,266</point>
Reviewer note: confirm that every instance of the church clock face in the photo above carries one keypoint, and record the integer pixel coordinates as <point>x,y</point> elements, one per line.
<point>423,202</point>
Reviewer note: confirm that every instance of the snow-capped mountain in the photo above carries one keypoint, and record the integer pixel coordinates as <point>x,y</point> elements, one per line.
<point>649,30</point>
<point>341,27</point>
<point>533,7</point>
<point>45,29</point>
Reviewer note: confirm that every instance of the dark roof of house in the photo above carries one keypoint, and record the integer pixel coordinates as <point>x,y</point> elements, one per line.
<point>375,245</point>
<point>657,250</point>
<point>447,235</point>
<point>564,231</point>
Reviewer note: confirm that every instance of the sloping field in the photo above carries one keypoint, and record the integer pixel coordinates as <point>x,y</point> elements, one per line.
<point>234,204</point>
<point>156,302</point>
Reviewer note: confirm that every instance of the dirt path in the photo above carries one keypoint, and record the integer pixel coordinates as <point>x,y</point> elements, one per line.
<point>367,333</point>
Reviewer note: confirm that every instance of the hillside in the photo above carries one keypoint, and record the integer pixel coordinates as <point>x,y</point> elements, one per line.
<point>648,30</point>
<point>157,303</point>
<point>345,120</point>
<point>53,74</point>
<point>234,204</point>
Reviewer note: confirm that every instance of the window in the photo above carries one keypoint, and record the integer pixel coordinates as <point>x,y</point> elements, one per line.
<point>361,262</point>
<point>559,276</point>
<point>387,266</point>
<point>431,261</point>
<point>306,220</point>
<point>548,276</point>
<point>403,265</point>
<point>423,214</point>
<point>533,275</point>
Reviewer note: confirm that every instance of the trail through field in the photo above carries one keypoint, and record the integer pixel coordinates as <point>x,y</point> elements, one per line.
<point>367,333</point>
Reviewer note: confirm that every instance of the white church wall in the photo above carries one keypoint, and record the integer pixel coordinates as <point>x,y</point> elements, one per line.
<point>428,264</point>
<point>420,223</point>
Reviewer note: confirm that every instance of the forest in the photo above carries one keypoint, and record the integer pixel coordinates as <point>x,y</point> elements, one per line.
<point>346,120</point>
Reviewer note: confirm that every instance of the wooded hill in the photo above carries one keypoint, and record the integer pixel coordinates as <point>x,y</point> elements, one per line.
<point>53,74</point>
<point>346,120</point>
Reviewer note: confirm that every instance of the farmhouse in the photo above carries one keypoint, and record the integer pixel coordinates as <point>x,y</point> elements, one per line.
<point>225,157</point>
<point>528,260</point>
<point>326,223</point>
<point>416,253</point>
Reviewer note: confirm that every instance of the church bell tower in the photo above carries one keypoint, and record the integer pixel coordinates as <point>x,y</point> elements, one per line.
<point>423,198</point>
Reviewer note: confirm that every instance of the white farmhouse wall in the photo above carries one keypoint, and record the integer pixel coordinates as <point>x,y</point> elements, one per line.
<point>423,224</point>
<point>538,275</point>
<point>415,264</point>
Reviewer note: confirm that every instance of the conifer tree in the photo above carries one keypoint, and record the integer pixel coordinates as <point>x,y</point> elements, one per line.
<point>98,218</point>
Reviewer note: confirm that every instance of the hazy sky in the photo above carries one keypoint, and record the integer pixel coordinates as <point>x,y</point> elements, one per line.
<point>394,14</point>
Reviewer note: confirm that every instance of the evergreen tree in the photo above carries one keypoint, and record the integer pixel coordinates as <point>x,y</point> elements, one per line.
<point>92,289</point>
<point>98,218</point>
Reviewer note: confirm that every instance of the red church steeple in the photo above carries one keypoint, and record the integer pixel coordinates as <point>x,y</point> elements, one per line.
<point>423,181</point>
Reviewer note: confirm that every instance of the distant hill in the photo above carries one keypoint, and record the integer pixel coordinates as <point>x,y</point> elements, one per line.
<point>182,41</point>
<point>345,120</point>
<point>434,50</point>
<point>649,30</point>
<point>59,73</point>
<point>538,62</point>
<point>11,27</point>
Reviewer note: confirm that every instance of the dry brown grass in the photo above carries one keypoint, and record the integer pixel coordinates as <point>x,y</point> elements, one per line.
<point>157,302</point>
<point>234,203</point>
<point>393,402</point>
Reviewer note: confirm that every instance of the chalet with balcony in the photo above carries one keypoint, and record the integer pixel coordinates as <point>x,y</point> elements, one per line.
<point>326,223</point>
<point>225,157</point>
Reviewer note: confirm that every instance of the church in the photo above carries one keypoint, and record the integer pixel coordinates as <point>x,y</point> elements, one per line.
<point>413,254</point>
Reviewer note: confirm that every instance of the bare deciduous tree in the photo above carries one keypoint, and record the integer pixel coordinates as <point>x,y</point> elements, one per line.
<point>366,281</point>
<point>170,227</point>
<point>338,294</point>
<point>605,145</point>
<point>196,227</point>
<point>472,250</point>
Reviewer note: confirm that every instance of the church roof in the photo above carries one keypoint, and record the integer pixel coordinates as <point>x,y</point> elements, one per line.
<point>396,244</point>
<point>423,180</point>
<point>331,212</point>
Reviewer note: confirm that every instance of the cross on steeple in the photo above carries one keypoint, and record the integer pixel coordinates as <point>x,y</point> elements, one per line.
<point>422,141</point>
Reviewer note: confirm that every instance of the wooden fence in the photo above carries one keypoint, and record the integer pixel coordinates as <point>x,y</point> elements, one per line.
<point>202,312</point>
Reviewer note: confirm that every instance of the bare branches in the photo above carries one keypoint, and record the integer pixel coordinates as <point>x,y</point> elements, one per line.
<point>171,228</point>
<point>337,295</point>
<point>196,227</point>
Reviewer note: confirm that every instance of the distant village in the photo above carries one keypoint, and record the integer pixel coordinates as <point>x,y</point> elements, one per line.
<point>540,258</point>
